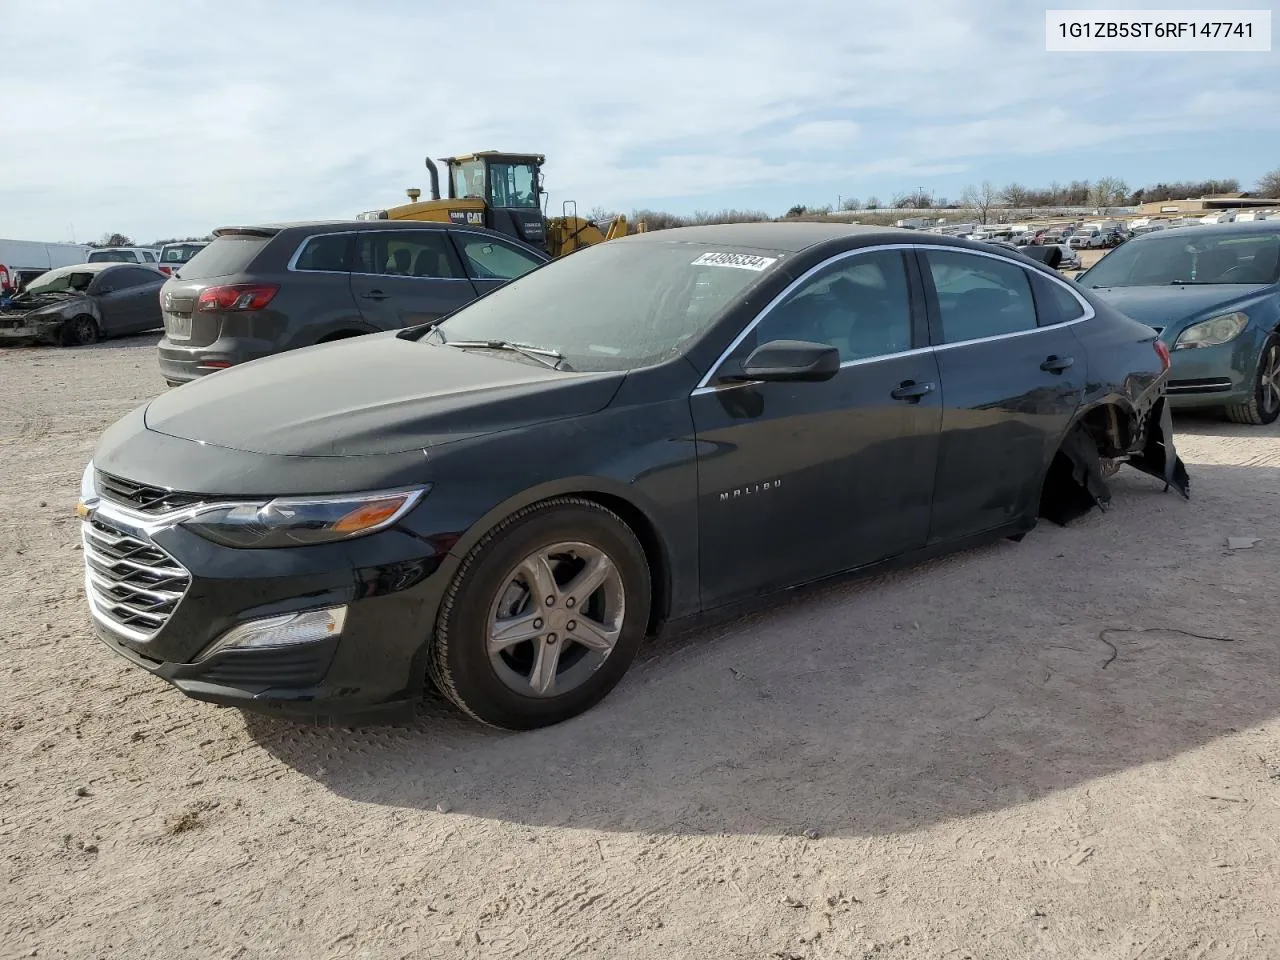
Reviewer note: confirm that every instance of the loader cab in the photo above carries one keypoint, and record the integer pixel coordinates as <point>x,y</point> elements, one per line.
<point>510,184</point>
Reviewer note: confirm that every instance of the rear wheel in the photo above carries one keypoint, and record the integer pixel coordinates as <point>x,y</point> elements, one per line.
<point>80,331</point>
<point>1264,406</point>
<point>544,616</point>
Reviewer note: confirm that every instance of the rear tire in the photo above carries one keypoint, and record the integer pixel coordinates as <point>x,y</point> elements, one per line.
<point>547,675</point>
<point>79,331</point>
<point>1264,406</point>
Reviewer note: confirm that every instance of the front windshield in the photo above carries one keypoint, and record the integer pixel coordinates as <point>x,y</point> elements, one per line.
<point>513,185</point>
<point>616,305</point>
<point>59,281</point>
<point>1217,257</point>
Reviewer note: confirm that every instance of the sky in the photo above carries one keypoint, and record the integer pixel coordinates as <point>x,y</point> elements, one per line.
<point>174,119</point>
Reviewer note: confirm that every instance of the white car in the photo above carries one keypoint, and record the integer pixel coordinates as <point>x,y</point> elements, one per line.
<point>123,255</point>
<point>1088,240</point>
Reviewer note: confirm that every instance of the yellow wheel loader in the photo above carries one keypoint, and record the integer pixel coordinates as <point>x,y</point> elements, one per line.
<point>504,192</point>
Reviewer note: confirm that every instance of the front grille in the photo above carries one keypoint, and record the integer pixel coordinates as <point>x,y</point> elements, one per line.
<point>141,497</point>
<point>131,581</point>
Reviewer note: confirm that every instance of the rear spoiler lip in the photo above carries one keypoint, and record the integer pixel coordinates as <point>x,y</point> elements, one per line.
<point>264,232</point>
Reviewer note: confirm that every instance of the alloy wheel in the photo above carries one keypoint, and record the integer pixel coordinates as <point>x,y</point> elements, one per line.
<point>1269,381</point>
<point>556,619</point>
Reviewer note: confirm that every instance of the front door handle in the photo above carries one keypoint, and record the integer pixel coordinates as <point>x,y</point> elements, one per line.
<point>375,295</point>
<point>911,391</point>
<point>1056,364</point>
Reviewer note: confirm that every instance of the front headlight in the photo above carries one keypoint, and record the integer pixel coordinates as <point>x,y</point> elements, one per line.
<point>1212,332</point>
<point>298,521</point>
<point>88,491</point>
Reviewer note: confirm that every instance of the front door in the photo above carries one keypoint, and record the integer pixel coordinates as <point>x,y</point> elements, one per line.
<point>801,480</point>
<point>490,263</point>
<point>1012,379</point>
<point>406,277</point>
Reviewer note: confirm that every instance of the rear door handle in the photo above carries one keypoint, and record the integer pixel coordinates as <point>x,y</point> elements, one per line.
<point>1056,364</point>
<point>911,391</point>
<point>375,295</point>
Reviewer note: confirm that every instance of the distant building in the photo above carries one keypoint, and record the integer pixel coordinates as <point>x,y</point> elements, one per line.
<point>1221,201</point>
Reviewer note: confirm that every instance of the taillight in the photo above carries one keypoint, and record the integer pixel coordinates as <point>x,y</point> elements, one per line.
<point>166,270</point>
<point>236,296</point>
<point>1163,351</point>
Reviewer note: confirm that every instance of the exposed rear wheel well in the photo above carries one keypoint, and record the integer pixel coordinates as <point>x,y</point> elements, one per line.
<point>653,550</point>
<point>1112,428</point>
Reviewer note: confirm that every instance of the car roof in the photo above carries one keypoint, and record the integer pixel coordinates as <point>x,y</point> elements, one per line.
<point>336,225</point>
<point>93,267</point>
<point>1213,229</point>
<point>772,235</point>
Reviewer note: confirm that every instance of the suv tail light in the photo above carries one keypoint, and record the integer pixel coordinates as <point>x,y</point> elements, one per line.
<point>1163,351</point>
<point>236,296</point>
<point>165,270</point>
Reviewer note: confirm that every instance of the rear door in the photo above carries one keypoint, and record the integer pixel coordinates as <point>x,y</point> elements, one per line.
<point>1013,375</point>
<point>128,299</point>
<point>491,262</point>
<point>406,277</point>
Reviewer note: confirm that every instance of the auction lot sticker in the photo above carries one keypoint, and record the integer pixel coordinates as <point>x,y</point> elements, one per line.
<point>743,261</point>
<point>1158,31</point>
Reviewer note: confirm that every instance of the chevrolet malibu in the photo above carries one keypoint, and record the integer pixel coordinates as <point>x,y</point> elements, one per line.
<point>507,501</point>
<point>1213,293</point>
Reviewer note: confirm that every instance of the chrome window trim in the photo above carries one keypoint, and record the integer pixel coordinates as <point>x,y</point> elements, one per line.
<point>704,385</point>
<point>292,265</point>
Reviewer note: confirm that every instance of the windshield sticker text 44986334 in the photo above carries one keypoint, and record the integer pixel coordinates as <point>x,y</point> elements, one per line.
<point>743,261</point>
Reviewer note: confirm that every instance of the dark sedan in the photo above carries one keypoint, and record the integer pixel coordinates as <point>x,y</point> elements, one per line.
<point>655,428</point>
<point>82,304</point>
<point>260,290</point>
<point>1214,295</point>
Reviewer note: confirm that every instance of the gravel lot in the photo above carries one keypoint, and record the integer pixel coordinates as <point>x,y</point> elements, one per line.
<point>1013,752</point>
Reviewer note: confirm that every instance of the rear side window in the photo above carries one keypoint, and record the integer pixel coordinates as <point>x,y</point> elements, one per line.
<point>225,256</point>
<point>123,278</point>
<point>980,297</point>
<point>1054,302</point>
<point>148,256</point>
<point>327,254</point>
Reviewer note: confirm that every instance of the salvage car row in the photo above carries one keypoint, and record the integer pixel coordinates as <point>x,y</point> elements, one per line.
<point>506,499</point>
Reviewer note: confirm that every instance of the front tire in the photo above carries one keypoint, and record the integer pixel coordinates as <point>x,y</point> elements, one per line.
<point>544,615</point>
<point>1264,406</point>
<point>80,331</point>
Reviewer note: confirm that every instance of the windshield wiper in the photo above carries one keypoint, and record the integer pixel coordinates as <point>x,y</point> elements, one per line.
<point>544,355</point>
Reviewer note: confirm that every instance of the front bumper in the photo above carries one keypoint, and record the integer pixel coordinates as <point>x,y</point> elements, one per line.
<point>1213,376</point>
<point>373,671</point>
<point>22,330</point>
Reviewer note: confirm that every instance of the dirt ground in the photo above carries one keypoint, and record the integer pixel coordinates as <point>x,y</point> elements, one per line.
<point>1020,751</point>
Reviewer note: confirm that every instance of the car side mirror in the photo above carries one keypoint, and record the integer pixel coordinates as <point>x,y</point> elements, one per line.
<point>791,360</point>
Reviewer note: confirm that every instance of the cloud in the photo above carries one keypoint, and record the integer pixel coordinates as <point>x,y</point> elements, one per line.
<point>234,110</point>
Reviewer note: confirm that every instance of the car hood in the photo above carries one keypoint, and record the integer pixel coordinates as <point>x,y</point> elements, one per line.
<point>372,395</point>
<point>1174,305</point>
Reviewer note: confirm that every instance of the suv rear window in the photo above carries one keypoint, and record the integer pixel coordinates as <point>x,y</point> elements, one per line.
<point>224,256</point>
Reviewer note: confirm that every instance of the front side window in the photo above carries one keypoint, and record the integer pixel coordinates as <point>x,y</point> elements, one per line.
<point>468,179</point>
<point>617,305</point>
<point>859,305</point>
<point>513,185</point>
<point>980,296</point>
<point>126,278</point>
<point>426,255</point>
<point>488,259</point>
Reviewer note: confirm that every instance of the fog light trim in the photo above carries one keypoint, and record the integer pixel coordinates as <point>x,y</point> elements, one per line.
<point>272,633</point>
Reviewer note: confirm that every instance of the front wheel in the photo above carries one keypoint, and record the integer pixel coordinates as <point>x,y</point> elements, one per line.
<point>80,331</point>
<point>1264,406</point>
<point>544,615</point>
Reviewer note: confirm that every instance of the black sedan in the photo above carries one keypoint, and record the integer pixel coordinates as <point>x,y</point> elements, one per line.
<point>656,428</point>
<point>83,304</point>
